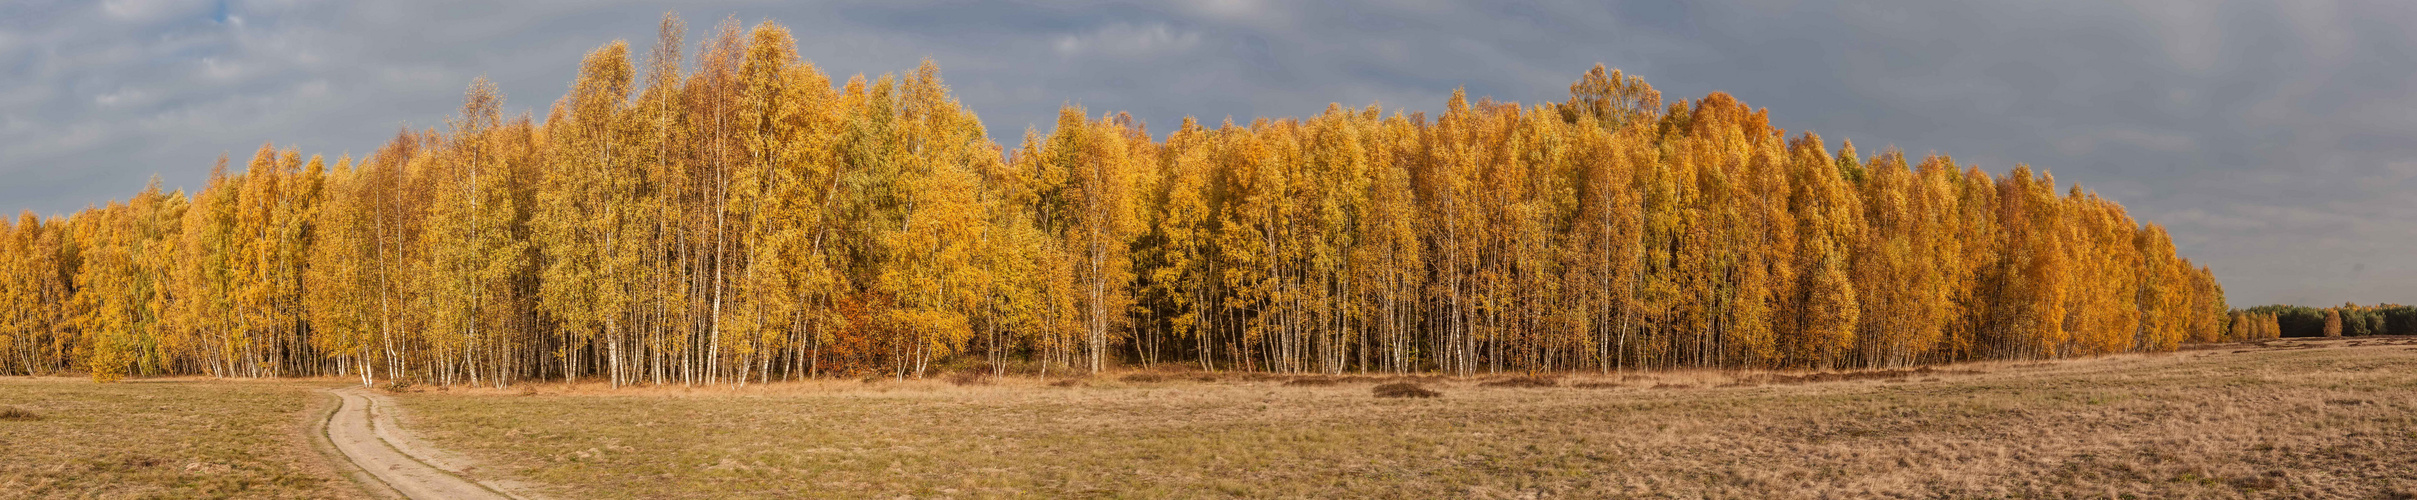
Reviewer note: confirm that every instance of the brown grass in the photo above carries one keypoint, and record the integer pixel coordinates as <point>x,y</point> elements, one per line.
<point>1884,375</point>
<point>2324,421</point>
<point>968,378</point>
<point>1404,390</point>
<point>1313,382</point>
<point>73,438</point>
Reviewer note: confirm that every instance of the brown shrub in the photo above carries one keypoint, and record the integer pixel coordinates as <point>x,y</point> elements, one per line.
<point>1673,386</point>
<point>18,414</point>
<point>1071,382</point>
<point>1144,378</point>
<point>1404,390</point>
<point>1524,382</point>
<point>1596,385</point>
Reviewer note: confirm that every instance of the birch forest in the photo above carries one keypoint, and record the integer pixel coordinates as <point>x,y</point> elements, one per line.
<point>733,215</point>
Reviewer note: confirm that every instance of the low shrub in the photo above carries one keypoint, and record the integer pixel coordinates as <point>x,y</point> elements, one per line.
<point>18,414</point>
<point>1404,390</point>
<point>1312,382</point>
<point>1524,382</point>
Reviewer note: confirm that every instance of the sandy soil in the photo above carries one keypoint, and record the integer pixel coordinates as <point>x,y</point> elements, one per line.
<point>365,431</point>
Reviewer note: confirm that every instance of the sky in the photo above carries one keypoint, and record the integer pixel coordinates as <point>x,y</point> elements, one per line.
<point>2276,141</point>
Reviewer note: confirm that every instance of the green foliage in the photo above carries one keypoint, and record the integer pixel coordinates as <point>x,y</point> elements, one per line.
<point>2355,320</point>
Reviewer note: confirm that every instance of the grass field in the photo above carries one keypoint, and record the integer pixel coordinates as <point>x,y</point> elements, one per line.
<point>73,438</point>
<point>2286,419</point>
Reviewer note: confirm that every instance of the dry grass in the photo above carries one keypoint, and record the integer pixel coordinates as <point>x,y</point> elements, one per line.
<point>161,439</point>
<point>1313,382</point>
<point>2275,421</point>
<point>968,378</point>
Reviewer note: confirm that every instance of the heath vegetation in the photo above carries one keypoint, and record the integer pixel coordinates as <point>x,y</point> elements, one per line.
<point>184,438</point>
<point>2299,418</point>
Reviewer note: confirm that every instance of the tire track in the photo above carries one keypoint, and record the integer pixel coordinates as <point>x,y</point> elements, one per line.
<point>369,439</point>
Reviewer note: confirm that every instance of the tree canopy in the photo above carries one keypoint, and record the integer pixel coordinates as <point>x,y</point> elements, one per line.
<point>749,221</point>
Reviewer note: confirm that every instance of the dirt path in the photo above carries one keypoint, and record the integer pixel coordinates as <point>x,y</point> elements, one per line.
<point>368,436</point>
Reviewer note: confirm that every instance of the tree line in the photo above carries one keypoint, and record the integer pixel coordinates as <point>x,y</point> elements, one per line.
<point>2273,321</point>
<point>748,220</point>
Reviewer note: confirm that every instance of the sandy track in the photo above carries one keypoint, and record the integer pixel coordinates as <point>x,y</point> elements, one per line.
<point>370,439</point>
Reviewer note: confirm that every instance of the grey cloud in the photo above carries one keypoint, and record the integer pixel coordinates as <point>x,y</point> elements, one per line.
<point>2274,140</point>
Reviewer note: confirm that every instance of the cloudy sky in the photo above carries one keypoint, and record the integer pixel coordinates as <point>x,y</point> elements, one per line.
<point>2276,140</point>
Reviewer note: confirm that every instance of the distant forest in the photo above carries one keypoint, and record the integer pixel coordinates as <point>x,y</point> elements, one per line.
<point>749,220</point>
<point>2302,321</point>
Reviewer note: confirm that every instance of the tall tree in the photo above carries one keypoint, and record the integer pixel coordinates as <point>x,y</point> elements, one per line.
<point>746,221</point>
